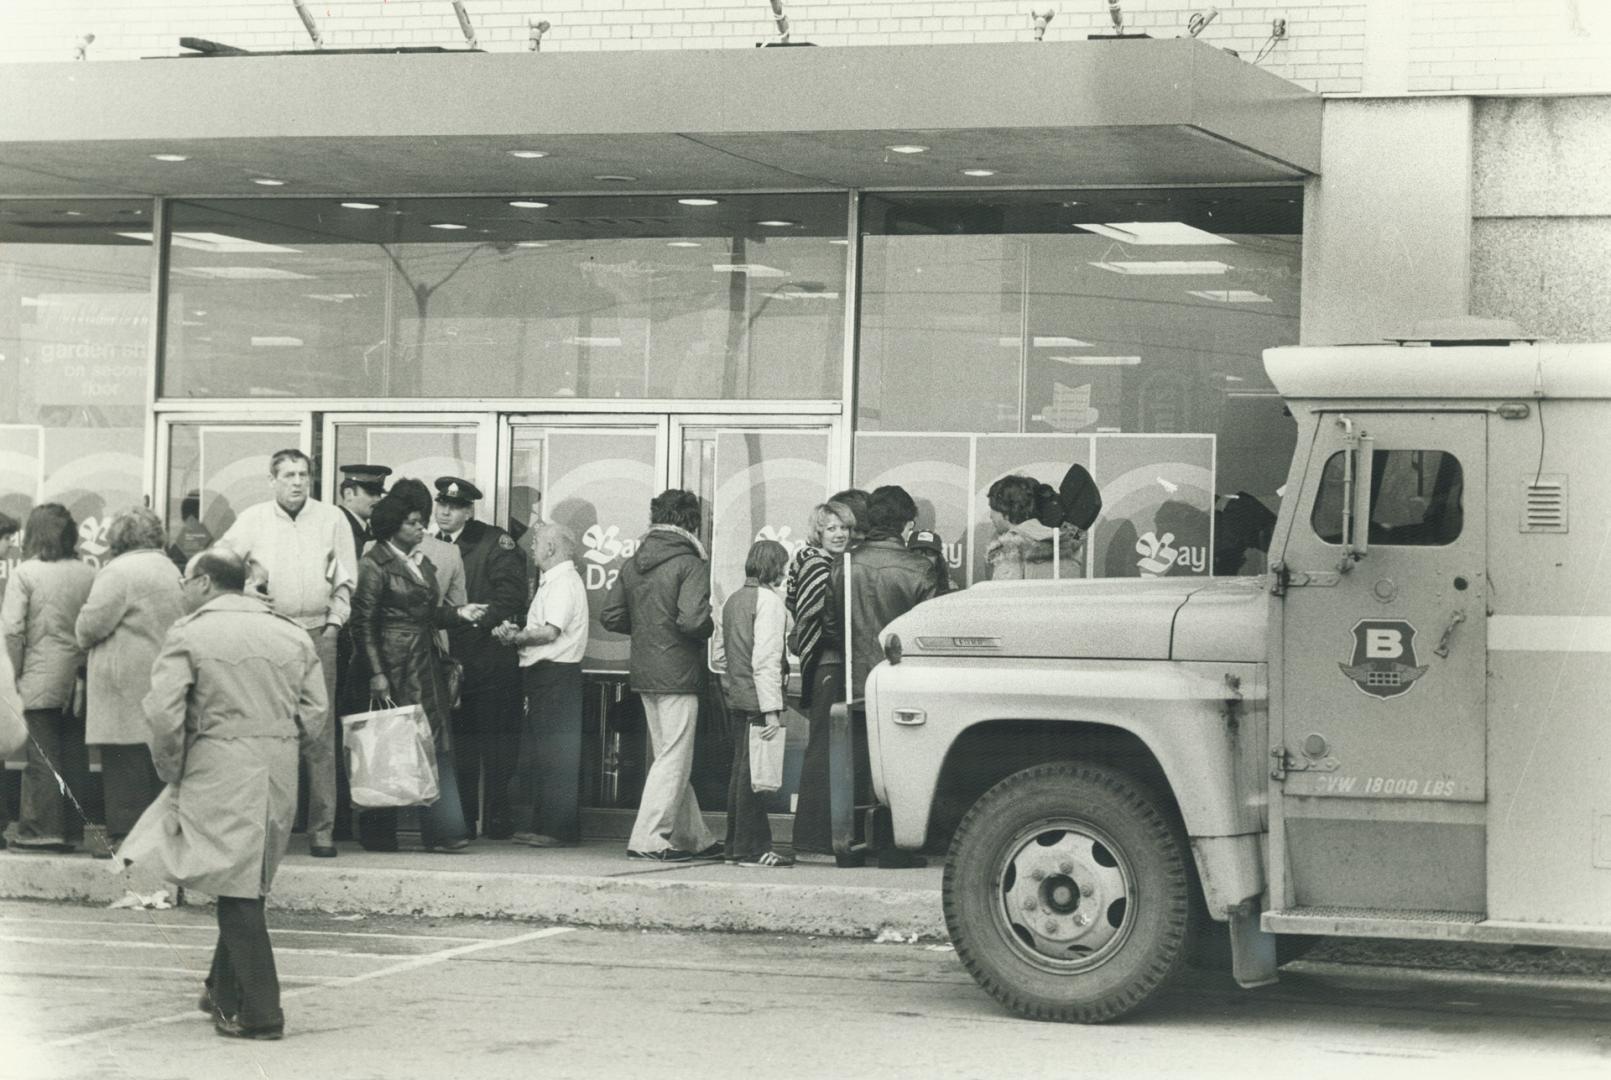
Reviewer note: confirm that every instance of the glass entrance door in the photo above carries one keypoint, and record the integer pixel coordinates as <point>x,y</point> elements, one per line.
<point>209,469</point>
<point>421,446</point>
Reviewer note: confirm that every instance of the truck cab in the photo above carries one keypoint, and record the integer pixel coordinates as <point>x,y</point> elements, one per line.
<point>1399,731</point>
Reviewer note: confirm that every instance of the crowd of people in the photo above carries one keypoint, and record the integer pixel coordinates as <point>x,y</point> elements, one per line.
<point>209,673</point>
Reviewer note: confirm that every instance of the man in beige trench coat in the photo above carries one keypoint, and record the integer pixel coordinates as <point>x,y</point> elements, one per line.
<point>232,691</point>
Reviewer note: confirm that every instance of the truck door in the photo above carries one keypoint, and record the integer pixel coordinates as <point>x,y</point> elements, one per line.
<point>1378,752</point>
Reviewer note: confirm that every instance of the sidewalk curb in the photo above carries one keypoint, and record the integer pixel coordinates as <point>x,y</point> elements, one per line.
<point>646,901</point>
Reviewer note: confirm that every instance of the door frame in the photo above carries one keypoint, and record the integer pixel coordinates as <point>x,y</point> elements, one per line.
<point>162,460</point>
<point>486,437</point>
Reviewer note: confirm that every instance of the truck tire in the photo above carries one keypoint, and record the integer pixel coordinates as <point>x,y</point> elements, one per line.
<point>1067,893</point>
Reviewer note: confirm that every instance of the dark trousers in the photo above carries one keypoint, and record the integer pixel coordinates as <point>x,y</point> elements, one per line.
<point>486,734</point>
<point>813,825</point>
<point>129,783</point>
<point>440,823</point>
<point>243,981</point>
<point>749,833</point>
<point>545,792</point>
<point>352,696</point>
<point>45,816</point>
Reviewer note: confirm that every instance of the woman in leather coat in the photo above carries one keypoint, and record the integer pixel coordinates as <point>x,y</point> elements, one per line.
<point>396,611</point>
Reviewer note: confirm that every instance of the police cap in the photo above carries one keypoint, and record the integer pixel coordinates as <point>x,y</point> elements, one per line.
<point>372,478</point>
<point>453,489</point>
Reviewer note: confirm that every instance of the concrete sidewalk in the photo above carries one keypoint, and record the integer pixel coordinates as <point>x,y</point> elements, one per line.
<point>592,885</point>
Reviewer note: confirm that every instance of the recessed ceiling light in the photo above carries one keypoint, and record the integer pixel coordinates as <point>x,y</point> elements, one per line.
<point>681,243</point>
<point>616,178</point>
<point>530,243</point>
<point>528,204</point>
<point>907,148</point>
<point>447,225</point>
<point>169,157</point>
<point>361,205</point>
<point>978,172</point>
<point>777,223</point>
<point>699,202</point>
<point>267,181</point>
<point>528,153</point>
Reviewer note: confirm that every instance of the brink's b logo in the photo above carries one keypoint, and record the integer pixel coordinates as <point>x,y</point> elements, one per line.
<point>1384,658</point>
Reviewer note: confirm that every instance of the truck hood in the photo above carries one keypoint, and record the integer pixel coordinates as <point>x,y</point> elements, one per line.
<point>1157,619</point>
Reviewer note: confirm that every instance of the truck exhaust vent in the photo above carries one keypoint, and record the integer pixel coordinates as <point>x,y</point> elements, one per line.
<point>1544,504</point>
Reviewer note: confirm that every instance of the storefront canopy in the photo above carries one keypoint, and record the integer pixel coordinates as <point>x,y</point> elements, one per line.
<point>1107,113</point>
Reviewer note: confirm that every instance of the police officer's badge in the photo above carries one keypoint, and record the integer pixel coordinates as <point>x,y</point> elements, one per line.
<point>1384,658</point>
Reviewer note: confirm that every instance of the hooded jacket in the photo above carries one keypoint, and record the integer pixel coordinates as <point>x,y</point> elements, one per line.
<point>662,599</point>
<point>1025,551</point>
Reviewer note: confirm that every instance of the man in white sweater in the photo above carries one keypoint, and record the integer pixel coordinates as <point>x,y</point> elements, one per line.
<point>302,558</point>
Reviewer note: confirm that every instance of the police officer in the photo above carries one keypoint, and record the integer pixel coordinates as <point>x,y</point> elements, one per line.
<point>360,489</point>
<point>487,730</point>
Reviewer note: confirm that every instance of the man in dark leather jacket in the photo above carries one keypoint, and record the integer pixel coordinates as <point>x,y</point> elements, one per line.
<point>887,581</point>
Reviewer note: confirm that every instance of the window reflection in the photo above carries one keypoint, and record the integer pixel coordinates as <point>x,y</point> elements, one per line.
<point>601,298</point>
<point>75,333</point>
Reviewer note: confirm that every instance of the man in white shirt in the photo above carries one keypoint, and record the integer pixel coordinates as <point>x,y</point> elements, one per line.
<point>302,555</point>
<point>545,791</point>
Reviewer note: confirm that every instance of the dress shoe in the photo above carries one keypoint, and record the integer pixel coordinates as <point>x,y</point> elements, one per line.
<point>231,1028</point>
<point>205,1002</point>
<point>321,851</point>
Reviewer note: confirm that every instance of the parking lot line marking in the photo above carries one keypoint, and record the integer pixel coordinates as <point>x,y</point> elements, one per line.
<point>212,928</point>
<point>208,947</point>
<point>412,964</point>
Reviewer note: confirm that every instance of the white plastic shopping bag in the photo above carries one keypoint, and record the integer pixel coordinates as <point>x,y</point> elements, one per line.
<point>766,758</point>
<point>391,757</point>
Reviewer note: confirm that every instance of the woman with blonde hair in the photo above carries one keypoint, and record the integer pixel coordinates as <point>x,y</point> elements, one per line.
<point>830,532</point>
<point>135,598</point>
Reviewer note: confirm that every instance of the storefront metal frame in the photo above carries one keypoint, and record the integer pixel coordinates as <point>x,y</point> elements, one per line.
<point>163,427</point>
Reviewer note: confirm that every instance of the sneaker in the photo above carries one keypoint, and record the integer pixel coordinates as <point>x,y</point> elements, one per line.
<point>766,860</point>
<point>542,840</point>
<point>663,855</point>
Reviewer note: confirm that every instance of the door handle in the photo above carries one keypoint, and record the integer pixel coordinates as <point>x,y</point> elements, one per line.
<point>1455,619</point>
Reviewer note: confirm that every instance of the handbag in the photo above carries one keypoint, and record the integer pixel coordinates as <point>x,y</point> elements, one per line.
<point>766,759</point>
<point>391,756</point>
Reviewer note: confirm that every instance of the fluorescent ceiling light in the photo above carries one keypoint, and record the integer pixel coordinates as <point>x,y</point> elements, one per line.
<point>801,294</point>
<point>530,244</point>
<point>332,298</point>
<point>907,148</point>
<point>528,204</point>
<point>528,154</point>
<point>776,223</point>
<point>682,243</point>
<point>1097,361</point>
<point>447,225</point>
<point>361,205</point>
<point>276,342</point>
<point>242,273</point>
<point>1230,296</point>
<point>615,178</point>
<point>596,342</point>
<point>1044,342</point>
<point>752,269</point>
<point>268,181</point>
<point>978,172</point>
<point>699,202</point>
<point>219,242</point>
<point>169,157</point>
<point>1175,233</point>
<point>841,243</point>
<point>1166,266</point>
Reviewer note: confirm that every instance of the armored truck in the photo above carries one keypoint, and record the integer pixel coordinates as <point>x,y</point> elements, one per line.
<point>1401,730</point>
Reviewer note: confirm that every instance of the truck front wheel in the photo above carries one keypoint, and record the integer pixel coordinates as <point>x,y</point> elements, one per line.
<point>1067,893</point>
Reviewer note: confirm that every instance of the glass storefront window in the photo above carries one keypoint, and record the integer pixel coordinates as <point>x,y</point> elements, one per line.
<point>1136,317</point>
<point>75,343</point>
<point>548,297</point>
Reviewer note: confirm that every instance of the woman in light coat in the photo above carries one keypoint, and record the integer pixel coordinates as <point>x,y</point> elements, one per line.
<point>135,599</point>
<point>41,606</point>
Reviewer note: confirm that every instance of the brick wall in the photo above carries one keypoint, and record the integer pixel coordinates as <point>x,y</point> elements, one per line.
<point>1334,46</point>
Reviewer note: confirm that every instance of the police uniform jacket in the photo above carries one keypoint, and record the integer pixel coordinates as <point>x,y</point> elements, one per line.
<point>495,575</point>
<point>233,688</point>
